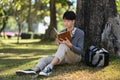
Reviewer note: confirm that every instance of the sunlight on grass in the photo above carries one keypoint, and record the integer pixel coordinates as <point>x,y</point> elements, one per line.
<point>28,52</point>
<point>24,66</point>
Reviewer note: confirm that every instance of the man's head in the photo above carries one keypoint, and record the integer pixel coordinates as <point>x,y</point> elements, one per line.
<point>69,15</point>
<point>69,18</point>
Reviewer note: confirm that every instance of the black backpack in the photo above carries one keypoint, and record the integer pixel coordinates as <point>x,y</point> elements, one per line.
<point>96,57</point>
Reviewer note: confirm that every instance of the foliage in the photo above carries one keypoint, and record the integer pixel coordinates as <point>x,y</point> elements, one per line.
<point>19,10</point>
<point>118,6</point>
<point>11,25</point>
<point>26,54</point>
<point>61,7</point>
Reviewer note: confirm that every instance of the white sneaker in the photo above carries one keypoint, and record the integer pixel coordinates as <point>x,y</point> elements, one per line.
<point>26,72</point>
<point>46,72</point>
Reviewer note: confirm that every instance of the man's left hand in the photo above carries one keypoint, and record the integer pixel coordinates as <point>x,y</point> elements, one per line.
<point>67,42</point>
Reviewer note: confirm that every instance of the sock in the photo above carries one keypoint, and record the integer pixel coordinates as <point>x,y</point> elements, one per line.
<point>36,69</point>
<point>50,66</point>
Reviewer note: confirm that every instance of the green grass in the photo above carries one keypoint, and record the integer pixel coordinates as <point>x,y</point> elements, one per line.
<point>27,53</point>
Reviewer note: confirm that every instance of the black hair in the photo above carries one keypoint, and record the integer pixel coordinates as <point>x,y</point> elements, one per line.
<point>69,15</point>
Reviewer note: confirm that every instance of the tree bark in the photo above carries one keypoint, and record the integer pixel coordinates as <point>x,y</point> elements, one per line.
<point>4,21</point>
<point>32,14</point>
<point>50,34</point>
<point>92,16</point>
<point>30,20</point>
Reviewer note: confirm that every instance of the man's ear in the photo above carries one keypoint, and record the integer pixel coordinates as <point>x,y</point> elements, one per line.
<point>73,21</point>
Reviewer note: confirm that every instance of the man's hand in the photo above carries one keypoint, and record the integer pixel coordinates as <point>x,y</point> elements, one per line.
<point>57,41</point>
<point>67,42</point>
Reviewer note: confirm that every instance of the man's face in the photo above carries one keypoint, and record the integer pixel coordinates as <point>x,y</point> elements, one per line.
<point>68,23</point>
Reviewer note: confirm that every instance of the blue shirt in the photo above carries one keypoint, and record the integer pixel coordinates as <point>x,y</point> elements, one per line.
<point>77,40</point>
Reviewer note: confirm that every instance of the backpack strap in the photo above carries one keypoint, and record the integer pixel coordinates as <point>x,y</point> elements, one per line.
<point>100,58</point>
<point>93,53</point>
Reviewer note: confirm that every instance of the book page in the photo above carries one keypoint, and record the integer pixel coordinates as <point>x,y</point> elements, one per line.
<point>56,31</point>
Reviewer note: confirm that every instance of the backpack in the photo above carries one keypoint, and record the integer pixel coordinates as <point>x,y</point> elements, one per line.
<point>96,57</point>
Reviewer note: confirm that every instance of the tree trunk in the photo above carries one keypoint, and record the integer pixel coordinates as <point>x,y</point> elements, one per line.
<point>32,14</point>
<point>30,20</point>
<point>19,31</point>
<point>92,16</point>
<point>50,34</point>
<point>4,22</point>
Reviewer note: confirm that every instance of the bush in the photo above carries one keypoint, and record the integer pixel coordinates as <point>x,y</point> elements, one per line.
<point>36,36</point>
<point>30,36</point>
<point>25,36</point>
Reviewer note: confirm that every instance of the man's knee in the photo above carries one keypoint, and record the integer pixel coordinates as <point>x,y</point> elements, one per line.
<point>46,59</point>
<point>63,46</point>
<point>44,62</point>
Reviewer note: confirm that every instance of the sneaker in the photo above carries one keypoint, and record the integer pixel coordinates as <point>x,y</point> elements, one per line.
<point>26,72</point>
<point>46,72</point>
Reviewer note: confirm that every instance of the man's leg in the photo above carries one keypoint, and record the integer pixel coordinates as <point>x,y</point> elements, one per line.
<point>63,55</point>
<point>58,59</point>
<point>43,62</point>
<point>40,65</point>
<point>60,54</point>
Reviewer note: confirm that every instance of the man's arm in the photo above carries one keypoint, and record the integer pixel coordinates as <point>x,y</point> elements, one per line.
<point>79,48</point>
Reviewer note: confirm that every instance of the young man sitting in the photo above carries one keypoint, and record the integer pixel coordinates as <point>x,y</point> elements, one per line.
<point>68,52</point>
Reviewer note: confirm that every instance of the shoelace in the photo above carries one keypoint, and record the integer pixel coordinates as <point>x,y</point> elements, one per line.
<point>47,70</point>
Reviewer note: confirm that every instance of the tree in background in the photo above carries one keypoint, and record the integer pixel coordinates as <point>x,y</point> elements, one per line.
<point>31,12</point>
<point>50,34</point>
<point>34,8</point>
<point>3,19</point>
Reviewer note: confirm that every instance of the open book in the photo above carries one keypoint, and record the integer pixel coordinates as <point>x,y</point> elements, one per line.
<point>63,35</point>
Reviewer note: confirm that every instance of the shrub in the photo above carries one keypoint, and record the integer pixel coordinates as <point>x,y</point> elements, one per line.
<point>25,36</point>
<point>36,36</point>
<point>30,36</point>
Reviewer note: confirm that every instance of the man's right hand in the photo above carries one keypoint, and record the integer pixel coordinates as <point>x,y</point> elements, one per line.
<point>57,41</point>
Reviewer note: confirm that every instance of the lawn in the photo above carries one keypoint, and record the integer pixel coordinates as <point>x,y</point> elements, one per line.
<point>27,53</point>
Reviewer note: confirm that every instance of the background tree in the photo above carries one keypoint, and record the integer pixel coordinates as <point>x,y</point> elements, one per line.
<point>3,20</point>
<point>50,34</point>
<point>92,15</point>
<point>3,14</point>
<point>33,9</point>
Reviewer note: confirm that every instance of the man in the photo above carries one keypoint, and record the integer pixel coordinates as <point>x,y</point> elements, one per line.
<point>69,51</point>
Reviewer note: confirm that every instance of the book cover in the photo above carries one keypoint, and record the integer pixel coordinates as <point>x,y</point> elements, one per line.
<point>63,35</point>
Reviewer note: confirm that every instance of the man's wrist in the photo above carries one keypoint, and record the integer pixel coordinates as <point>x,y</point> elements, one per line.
<point>70,46</point>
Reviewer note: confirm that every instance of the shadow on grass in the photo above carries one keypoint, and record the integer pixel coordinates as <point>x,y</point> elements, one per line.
<point>37,43</point>
<point>60,71</point>
<point>3,44</point>
<point>27,51</point>
<point>7,61</point>
<point>115,62</point>
<point>13,63</point>
<point>25,55</point>
<point>70,69</point>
